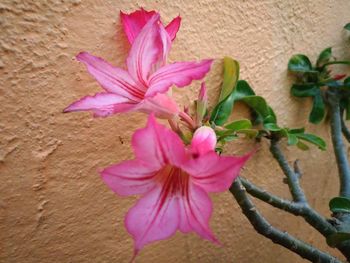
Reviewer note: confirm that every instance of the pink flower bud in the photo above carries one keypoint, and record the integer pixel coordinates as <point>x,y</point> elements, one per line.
<point>203,141</point>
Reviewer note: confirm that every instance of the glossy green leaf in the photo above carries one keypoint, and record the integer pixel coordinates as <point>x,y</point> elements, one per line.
<point>311,138</point>
<point>302,146</point>
<point>230,78</point>
<point>299,63</point>
<point>347,26</point>
<point>335,239</point>
<point>239,125</point>
<point>318,109</point>
<point>272,127</point>
<point>339,205</point>
<point>299,90</point>
<point>223,110</point>
<point>272,116</point>
<point>292,139</point>
<point>324,57</point>
<point>300,130</point>
<point>258,104</point>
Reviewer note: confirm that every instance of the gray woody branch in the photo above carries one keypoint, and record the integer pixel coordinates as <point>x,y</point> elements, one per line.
<point>261,225</point>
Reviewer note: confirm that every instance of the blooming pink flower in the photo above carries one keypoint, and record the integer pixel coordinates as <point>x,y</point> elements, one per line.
<point>143,85</point>
<point>134,22</point>
<point>174,182</point>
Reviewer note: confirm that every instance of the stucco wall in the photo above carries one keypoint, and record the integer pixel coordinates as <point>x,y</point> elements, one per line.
<point>53,205</point>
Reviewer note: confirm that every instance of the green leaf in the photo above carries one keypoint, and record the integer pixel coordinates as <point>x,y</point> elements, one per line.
<point>272,127</point>
<point>311,138</point>
<point>347,26</point>
<point>242,90</point>
<point>335,239</point>
<point>229,138</point>
<point>239,125</point>
<point>300,90</point>
<point>292,139</point>
<point>302,146</point>
<point>339,205</point>
<point>250,133</point>
<point>258,104</point>
<point>318,109</point>
<point>299,63</point>
<point>300,130</point>
<point>272,118</point>
<point>223,110</point>
<point>230,78</point>
<point>324,57</point>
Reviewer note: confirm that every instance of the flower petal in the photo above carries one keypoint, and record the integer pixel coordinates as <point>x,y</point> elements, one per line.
<point>102,104</point>
<point>154,217</point>
<point>157,144</point>
<point>179,74</point>
<point>129,177</point>
<point>195,210</point>
<point>215,173</point>
<point>203,141</point>
<point>173,27</point>
<point>134,22</point>
<point>146,50</point>
<point>112,79</point>
<point>161,105</point>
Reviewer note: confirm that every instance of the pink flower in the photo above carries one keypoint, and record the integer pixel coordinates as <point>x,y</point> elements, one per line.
<point>134,22</point>
<point>174,182</point>
<point>143,86</point>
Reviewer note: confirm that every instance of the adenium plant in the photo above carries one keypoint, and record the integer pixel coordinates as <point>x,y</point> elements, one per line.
<point>177,166</point>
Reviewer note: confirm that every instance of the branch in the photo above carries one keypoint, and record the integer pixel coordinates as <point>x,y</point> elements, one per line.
<point>263,227</point>
<point>344,129</point>
<point>298,209</point>
<point>338,144</point>
<point>292,177</point>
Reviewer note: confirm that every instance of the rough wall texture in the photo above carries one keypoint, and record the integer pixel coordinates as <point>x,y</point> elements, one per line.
<point>53,205</point>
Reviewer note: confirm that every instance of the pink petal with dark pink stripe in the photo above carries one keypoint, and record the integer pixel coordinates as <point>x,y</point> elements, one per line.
<point>179,74</point>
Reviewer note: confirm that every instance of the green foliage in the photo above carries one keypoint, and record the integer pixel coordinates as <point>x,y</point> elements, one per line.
<point>300,63</point>
<point>324,57</point>
<point>347,26</point>
<point>339,205</point>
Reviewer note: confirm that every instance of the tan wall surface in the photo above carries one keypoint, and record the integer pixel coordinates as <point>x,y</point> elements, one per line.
<point>53,205</point>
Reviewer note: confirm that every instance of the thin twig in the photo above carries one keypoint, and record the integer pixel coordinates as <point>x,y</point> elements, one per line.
<point>298,209</point>
<point>292,178</point>
<point>263,227</point>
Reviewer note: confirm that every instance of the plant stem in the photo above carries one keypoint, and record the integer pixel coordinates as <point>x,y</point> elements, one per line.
<point>263,227</point>
<point>292,178</point>
<point>338,144</point>
<point>344,129</point>
<point>298,209</point>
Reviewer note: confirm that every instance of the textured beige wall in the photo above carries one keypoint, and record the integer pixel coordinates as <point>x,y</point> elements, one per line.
<point>53,205</point>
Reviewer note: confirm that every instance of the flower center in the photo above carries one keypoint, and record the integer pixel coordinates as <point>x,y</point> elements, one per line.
<point>174,180</point>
